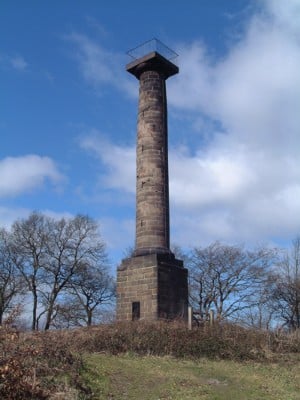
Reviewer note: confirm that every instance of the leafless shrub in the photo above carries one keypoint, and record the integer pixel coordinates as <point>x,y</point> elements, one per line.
<point>30,365</point>
<point>221,340</point>
<point>47,365</point>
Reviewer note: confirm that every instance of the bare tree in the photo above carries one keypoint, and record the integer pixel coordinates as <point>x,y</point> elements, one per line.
<point>286,293</point>
<point>68,313</point>
<point>29,243</point>
<point>11,283</point>
<point>88,299</point>
<point>261,313</point>
<point>72,243</point>
<point>226,278</point>
<point>49,253</point>
<point>93,286</point>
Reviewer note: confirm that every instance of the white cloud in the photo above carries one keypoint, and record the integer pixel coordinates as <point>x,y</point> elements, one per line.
<point>249,175</point>
<point>244,183</point>
<point>254,91</point>
<point>119,161</point>
<point>207,180</point>
<point>99,66</point>
<point>285,15</point>
<point>9,215</point>
<point>20,174</point>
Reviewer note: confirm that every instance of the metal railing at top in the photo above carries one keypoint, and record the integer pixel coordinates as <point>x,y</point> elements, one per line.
<point>151,46</point>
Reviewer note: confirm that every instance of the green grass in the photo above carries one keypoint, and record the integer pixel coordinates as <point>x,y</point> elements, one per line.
<point>165,378</point>
<point>145,361</point>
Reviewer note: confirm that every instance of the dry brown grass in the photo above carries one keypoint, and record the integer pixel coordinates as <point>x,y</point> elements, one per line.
<point>221,341</point>
<point>34,366</point>
<point>44,364</point>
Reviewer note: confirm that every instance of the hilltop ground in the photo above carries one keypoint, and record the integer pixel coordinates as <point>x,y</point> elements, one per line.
<point>149,361</point>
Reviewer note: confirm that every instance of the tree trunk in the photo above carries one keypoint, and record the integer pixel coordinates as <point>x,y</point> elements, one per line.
<point>34,311</point>
<point>48,319</point>
<point>50,310</point>
<point>89,315</point>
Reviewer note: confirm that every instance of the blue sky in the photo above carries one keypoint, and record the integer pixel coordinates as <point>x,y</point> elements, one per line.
<point>68,115</point>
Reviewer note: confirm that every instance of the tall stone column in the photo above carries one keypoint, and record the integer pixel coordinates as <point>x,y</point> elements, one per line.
<point>152,284</point>
<point>152,180</point>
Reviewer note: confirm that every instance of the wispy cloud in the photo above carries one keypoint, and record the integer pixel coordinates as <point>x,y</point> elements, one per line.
<point>8,215</point>
<point>21,174</point>
<point>243,183</point>
<point>246,179</point>
<point>19,63</point>
<point>118,161</point>
<point>16,62</point>
<point>99,66</point>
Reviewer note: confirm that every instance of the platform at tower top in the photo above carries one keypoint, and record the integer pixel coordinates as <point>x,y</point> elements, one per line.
<point>153,46</point>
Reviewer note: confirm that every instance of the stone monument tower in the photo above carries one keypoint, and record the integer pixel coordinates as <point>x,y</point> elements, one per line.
<point>152,283</point>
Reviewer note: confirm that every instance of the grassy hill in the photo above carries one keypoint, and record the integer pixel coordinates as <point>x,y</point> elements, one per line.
<point>149,361</point>
<point>164,378</point>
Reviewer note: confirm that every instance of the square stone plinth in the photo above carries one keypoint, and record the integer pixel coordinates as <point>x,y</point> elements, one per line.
<point>151,287</point>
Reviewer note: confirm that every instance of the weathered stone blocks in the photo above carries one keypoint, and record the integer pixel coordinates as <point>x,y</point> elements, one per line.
<point>158,282</point>
<point>152,284</point>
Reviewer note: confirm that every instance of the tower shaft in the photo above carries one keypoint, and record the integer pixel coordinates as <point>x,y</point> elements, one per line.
<point>152,189</point>
<point>152,283</point>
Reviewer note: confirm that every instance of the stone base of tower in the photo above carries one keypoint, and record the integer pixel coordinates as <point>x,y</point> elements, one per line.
<point>151,287</point>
